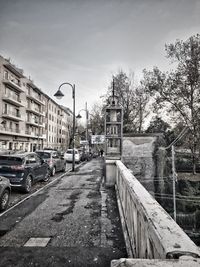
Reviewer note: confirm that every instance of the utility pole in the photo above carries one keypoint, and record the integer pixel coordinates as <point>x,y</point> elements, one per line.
<point>174,176</point>
<point>174,181</point>
<point>86,121</point>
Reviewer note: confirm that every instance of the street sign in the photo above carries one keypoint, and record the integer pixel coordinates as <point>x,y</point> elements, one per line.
<point>98,139</point>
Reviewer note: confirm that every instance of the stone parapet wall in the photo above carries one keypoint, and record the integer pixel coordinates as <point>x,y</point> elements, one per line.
<point>149,231</point>
<point>156,263</point>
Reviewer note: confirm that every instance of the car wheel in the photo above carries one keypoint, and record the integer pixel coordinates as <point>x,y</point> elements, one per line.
<point>53,171</point>
<point>28,184</point>
<point>64,169</point>
<point>4,199</point>
<point>47,175</point>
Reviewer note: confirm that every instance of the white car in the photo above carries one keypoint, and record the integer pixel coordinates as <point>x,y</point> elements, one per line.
<point>69,155</point>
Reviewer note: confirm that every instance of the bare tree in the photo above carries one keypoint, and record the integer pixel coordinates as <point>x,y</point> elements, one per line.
<point>179,89</point>
<point>97,119</point>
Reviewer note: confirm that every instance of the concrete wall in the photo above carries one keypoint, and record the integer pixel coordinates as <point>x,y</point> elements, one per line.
<point>150,233</point>
<point>156,263</point>
<point>137,155</point>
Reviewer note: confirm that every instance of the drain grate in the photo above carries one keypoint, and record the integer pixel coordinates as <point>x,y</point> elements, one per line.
<point>37,242</point>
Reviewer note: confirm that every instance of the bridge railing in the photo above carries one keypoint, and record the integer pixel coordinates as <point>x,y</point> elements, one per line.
<point>150,232</point>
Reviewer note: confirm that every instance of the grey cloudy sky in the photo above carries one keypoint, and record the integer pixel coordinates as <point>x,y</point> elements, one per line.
<point>86,41</point>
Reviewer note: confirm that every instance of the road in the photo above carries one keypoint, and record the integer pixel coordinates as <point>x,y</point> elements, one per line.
<point>73,222</point>
<point>17,196</point>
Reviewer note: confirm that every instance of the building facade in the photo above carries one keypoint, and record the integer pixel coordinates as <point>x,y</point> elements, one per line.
<point>29,119</point>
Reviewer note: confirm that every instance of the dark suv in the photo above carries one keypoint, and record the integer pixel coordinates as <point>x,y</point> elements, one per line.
<point>24,169</point>
<point>54,159</point>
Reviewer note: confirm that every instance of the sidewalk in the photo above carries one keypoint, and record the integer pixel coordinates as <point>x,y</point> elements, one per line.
<point>80,218</point>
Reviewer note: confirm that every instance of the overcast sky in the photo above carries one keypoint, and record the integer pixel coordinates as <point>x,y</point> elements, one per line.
<point>86,41</point>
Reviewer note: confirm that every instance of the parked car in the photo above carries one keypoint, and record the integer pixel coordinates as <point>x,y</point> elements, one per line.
<point>24,169</point>
<point>5,190</point>
<point>85,156</point>
<point>69,155</point>
<point>54,159</point>
<point>6,152</point>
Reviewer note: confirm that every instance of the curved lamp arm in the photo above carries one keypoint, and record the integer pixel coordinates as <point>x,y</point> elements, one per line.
<point>59,95</point>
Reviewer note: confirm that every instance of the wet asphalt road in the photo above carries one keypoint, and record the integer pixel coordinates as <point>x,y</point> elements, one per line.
<point>78,215</point>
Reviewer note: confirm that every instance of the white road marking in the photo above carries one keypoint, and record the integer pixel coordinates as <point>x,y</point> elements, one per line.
<point>37,242</point>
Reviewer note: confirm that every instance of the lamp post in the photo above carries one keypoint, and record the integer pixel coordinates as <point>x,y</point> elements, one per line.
<point>79,117</point>
<point>59,95</point>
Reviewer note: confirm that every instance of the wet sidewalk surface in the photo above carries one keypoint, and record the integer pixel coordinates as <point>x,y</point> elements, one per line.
<point>77,218</point>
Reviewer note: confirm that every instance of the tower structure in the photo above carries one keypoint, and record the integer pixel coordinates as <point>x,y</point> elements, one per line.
<point>113,135</point>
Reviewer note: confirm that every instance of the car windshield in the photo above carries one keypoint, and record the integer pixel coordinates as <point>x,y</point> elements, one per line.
<point>71,152</point>
<point>6,160</point>
<point>44,155</point>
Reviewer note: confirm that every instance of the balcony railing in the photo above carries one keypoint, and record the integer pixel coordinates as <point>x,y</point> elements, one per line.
<point>13,130</point>
<point>35,97</point>
<point>34,109</point>
<point>35,122</point>
<point>13,96</point>
<point>13,99</point>
<point>11,83</point>
<point>29,132</point>
<point>12,113</point>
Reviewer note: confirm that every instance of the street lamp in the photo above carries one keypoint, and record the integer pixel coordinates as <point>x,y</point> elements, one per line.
<point>59,95</point>
<point>79,117</point>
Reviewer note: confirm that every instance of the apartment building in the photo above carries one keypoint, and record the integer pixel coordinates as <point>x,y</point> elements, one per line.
<point>59,125</point>
<point>67,125</point>
<point>34,115</point>
<point>29,119</point>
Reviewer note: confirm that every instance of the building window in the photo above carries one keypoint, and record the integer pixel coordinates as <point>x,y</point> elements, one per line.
<point>11,125</point>
<point>18,82</point>
<point>5,109</point>
<point>6,74</point>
